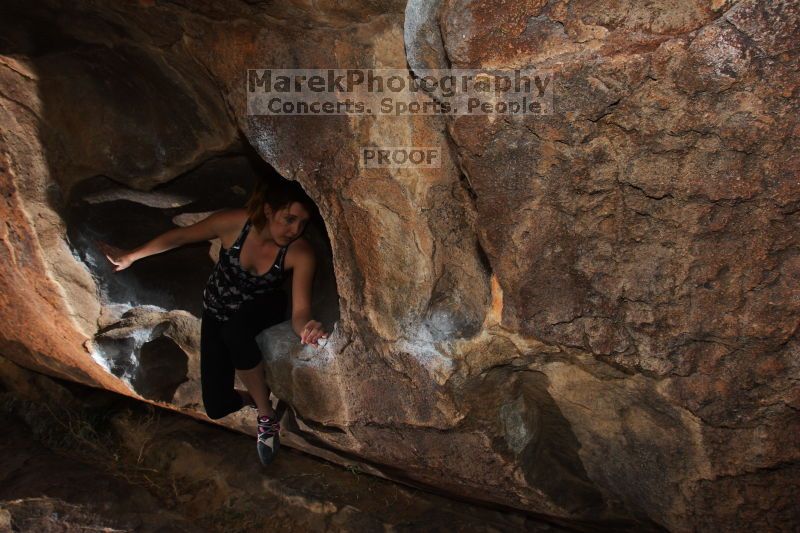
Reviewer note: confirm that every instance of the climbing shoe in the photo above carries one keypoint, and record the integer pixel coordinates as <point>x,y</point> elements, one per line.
<point>268,439</point>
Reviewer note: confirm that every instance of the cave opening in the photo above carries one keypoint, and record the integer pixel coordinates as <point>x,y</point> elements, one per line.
<point>136,140</point>
<point>100,209</point>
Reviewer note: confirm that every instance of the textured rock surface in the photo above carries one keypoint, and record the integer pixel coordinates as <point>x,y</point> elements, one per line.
<point>592,314</point>
<point>658,207</point>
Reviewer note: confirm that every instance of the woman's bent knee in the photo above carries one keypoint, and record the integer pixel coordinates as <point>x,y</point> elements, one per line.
<point>247,362</point>
<point>215,413</point>
<point>216,409</point>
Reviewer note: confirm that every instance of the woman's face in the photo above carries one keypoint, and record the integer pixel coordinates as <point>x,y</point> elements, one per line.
<point>288,223</point>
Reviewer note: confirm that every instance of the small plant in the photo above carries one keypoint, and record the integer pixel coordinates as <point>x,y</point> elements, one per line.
<point>354,469</point>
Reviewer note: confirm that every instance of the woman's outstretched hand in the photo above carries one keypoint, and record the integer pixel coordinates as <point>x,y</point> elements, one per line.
<point>118,257</point>
<point>312,332</point>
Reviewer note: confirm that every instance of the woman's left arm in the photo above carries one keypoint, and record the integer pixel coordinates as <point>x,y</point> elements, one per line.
<point>309,330</point>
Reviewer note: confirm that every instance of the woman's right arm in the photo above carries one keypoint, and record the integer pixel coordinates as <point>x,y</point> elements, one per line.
<point>209,228</point>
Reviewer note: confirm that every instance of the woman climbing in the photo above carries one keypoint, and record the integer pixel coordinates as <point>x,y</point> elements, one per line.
<point>261,243</point>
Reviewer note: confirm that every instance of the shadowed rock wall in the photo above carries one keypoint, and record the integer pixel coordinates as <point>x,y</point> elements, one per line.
<point>651,224</point>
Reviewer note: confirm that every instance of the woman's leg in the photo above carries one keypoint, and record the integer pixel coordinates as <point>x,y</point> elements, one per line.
<point>216,371</point>
<point>239,333</point>
<point>253,379</point>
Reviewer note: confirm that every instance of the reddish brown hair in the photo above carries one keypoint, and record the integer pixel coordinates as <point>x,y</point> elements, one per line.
<point>278,193</point>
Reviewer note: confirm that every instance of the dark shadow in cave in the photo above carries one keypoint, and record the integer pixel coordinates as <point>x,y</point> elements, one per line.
<point>101,209</point>
<point>154,368</point>
<point>29,31</point>
<point>536,434</point>
<point>163,366</point>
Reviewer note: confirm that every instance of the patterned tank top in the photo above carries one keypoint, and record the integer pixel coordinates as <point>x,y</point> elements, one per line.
<point>230,285</point>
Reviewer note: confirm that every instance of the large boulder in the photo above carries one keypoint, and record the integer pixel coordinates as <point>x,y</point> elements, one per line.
<point>590,314</point>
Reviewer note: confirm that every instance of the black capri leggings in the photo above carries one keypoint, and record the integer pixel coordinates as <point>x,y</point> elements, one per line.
<point>231,345</point>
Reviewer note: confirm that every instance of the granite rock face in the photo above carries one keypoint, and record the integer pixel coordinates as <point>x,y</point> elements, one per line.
<point>591,314</point>
<point>651,222</point>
